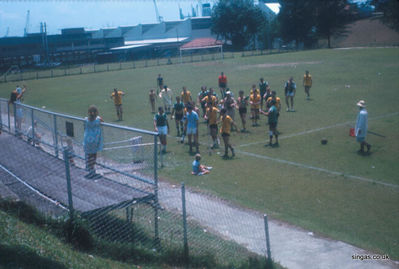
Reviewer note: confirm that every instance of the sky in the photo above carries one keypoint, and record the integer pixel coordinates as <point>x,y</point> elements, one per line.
<point>90,14</point>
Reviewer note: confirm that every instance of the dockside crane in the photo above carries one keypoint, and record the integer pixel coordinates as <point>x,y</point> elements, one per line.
<point>26,30</point>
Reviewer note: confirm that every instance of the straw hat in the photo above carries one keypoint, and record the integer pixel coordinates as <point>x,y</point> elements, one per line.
<point>361,103</point>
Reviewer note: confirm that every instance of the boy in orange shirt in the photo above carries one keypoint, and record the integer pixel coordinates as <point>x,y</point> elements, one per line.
<point>225,130</point>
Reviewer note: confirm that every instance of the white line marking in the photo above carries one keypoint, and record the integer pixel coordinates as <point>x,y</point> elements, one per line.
<point>318,169</point>
<point>319,129</point>
<point>34,189</point>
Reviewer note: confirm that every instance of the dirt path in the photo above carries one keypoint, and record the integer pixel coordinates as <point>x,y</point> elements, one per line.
<point>292,247</point>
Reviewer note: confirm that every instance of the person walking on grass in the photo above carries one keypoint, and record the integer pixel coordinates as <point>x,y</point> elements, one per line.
<point>242,104</point>
<point>191,128</point>
<point>272,121</point>
<point>159,83</point>
<point>211,116</point>
<point>222,83</point>
<point>361,127</point>
<point>161,125</point>
<point>225,130</point>
<point>210,98</point>
<point>201,101</point>
<point>152,96</point>
<point>263,85</point>
<point>117,97</point>
<point>307,83</point>
<point>254,100</point>
<point>290,90</point>
<point>177,114</point>
<point>186,96</point>
<point>92,140</point>
<point>166,96</point>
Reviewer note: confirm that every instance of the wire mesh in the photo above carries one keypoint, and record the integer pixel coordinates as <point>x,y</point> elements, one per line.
<point>124,202</point>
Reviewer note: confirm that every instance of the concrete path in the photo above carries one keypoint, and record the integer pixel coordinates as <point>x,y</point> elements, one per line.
<point>292,247</point>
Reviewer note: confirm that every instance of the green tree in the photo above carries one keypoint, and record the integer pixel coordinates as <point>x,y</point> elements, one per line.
<point>237,20</point>
<point>332,18</point>
<point>390,10</point>
<point>296,19</point>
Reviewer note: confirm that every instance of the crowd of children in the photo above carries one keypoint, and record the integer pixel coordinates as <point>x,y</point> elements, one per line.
<point>219,114</point>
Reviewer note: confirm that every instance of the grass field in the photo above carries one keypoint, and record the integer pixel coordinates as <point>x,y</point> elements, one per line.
<point>329,189</point>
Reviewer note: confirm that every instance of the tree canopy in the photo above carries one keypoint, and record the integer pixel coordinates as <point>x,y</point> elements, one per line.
<point>390,10</point>
<point>237,20</point>
<point>302,20</point>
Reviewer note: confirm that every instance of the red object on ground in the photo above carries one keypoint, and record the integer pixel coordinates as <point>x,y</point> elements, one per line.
<point>352,131</point>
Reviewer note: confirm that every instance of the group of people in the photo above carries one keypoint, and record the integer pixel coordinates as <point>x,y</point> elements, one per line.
<point>219,115</point>
<point>220,112</point>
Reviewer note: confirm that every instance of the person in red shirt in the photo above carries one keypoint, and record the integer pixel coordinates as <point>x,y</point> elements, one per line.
<point>222,82</point>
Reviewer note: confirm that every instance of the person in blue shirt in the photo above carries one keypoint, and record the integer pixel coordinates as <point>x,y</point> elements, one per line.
<point>191,128</point>
<point>198,168</point>
<point>92,140</point>
<point>361,127</point>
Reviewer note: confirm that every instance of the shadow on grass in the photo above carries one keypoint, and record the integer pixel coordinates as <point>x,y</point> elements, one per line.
<point>23,257</point>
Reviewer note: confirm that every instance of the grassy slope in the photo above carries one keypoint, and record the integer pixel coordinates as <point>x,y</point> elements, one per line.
<point>27,246</point>
<point>360,213</point>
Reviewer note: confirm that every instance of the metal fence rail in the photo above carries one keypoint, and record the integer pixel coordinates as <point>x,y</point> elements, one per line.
<point>70,70</point>
<point>127,203</point>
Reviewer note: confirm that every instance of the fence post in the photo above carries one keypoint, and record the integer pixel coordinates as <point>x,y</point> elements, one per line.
<point>157,243</point>
<point>269,254</point>
<point>33,127</point>
<point>9,118</point>
<point>185,242</point>
<point>55,135</point>
<point>1,119</point>
<point>68,178</point>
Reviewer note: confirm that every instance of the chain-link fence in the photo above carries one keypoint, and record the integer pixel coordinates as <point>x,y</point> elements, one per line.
<point>69,70</point>
<point>44,153</point>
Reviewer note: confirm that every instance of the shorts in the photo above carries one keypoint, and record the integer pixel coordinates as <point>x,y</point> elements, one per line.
<point>307,88</point>
<point>213,126</point>
<point>360,139</point>
<point>162,130</point>
<point>272,126</point>
<point>222,85</point>
<point>225,135</point>
<point>191,130</point>
<point>178,117</point>
<point>242,110</point>
<point>287,93</point>
<point>262,94</point>
<point>118,109</point>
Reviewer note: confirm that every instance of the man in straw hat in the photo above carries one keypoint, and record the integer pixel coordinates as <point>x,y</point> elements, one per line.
<point>361,126</point>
